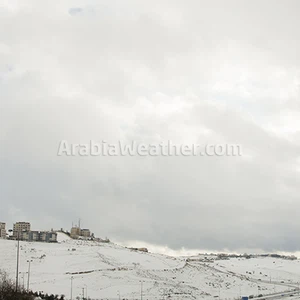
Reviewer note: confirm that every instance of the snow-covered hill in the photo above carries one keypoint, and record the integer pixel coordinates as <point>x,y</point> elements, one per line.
<point>106,270</point>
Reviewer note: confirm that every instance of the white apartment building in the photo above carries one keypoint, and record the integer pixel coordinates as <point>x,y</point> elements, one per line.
<point>38,236</point>
<point>48,236</point>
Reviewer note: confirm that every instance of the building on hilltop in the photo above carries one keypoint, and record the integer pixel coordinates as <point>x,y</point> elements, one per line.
<point>2,230</point>
<point>81,233</point>
<point>75,232</point>
<point>78,233</point>
<point>85,233</point>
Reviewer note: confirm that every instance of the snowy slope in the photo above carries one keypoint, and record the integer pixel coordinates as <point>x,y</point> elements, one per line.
<point>106,269</point>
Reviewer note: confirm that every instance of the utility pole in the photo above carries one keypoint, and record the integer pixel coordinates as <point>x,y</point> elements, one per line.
<point>29,261</point>
<point>82,293</point>
<point>18,254</point>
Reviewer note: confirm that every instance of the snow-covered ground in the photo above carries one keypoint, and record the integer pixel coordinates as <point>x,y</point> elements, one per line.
<point>104,270</point>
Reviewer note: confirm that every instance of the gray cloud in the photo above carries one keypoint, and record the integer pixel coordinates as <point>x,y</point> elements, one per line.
<point>154,71</point>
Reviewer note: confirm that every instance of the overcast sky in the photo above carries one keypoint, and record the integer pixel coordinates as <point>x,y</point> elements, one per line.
<point>188,71</point>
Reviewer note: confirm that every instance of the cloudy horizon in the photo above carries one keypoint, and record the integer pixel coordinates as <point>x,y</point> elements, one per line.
<point>193,72</point>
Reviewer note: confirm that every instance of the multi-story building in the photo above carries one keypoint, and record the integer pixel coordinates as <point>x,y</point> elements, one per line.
<point>85,233</point>
<point>2,230</point>
<point>23,232</point>
<point>23,236</point>
<point>20,227</point>
<point>39,236</point>
<point>75,232</point>
<point>33,236</point>
<point>48,236</point>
